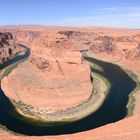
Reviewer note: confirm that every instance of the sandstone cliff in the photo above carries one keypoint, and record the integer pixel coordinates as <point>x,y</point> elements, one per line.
<point>8,47</point>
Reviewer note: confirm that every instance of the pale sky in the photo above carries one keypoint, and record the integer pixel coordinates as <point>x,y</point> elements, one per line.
<point>101,13</point>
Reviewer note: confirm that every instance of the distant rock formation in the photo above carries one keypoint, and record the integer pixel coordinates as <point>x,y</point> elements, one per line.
<point>96,41</point>
<point>104,44</point>
<point>70,33</point>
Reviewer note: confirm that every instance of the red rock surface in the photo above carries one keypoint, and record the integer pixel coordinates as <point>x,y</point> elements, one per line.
<point>50,81</point>
<point>118,45</point>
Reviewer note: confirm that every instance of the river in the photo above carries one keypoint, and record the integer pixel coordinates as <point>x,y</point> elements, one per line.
<point>112,110</point>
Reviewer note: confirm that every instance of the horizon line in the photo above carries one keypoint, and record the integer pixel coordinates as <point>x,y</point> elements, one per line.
<point>81,26</point>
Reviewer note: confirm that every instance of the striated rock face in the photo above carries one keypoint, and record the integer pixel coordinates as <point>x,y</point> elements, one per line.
<point>105,45</point>
<point>8,47</point>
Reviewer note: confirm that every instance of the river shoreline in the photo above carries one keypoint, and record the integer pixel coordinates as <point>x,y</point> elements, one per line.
<point>75,113</point>
<point>97,79</point>
<point>132,96</point>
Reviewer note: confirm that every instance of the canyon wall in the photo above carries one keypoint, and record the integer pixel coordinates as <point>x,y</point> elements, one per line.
<point>8,47</point>
<point>116,42</point>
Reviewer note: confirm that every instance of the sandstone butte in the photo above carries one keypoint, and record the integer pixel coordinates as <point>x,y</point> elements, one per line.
<point>120,46</point>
